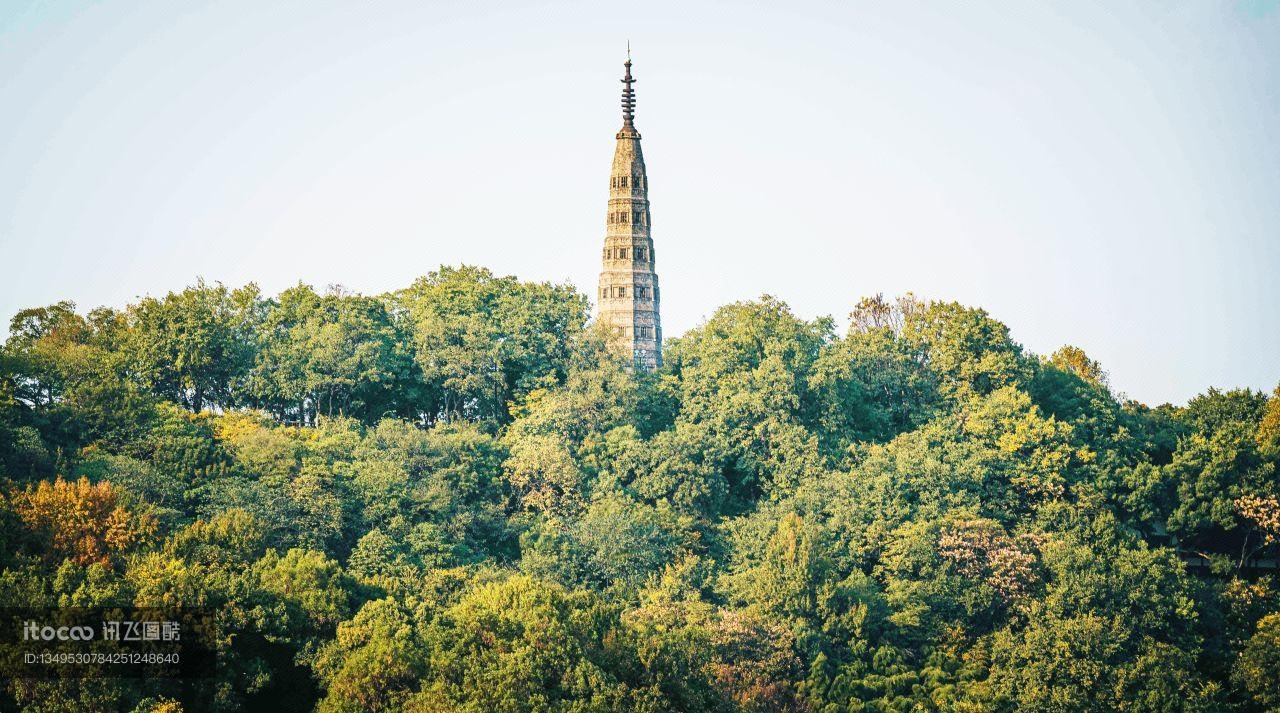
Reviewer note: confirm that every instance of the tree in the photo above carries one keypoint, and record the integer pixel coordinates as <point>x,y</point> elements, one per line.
<point>745,396</point>
<point>311,592</point>
<point>971,353</point>
<point>1084,663</point>
<point>617,544</point>
<point>956,578</point>
<point>873,384</point>
<point>1208,474</point>
<point>193,346</point>
<point>81,521</point>
<point>38,345</point>
<point>301,498</point>
<point>1115,629</point>
<point>440,491</point>
<point>1256,669</point>
<point>69,378</point>
<point>1215,409</point>
<point>506,644</point>
<point>1269,427</point>
<point>331,355</point>
<point>374,662</point>
<point>482,341</point>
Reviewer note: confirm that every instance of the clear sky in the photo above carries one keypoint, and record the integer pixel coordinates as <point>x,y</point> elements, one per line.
<point>1103,174</point>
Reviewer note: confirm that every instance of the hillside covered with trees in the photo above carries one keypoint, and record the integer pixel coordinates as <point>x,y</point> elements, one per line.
<point>453,497</point>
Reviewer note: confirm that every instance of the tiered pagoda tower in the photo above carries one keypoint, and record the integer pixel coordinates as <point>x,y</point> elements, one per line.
<point>628,298</point>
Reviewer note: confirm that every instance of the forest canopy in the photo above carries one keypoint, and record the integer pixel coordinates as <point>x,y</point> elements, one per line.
<point>456,497</point>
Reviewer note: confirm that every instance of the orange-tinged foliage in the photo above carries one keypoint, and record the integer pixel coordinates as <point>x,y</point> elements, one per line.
<point>1263,512</point>
<point>980,549</point>
<point>754,662</point>
<point>81,520</point>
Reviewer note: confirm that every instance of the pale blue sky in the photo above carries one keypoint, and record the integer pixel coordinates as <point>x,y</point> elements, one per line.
<point>1104,174</point>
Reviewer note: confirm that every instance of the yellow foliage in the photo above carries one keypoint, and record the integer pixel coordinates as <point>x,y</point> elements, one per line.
<point>235,426</point>
<point>81,520</point>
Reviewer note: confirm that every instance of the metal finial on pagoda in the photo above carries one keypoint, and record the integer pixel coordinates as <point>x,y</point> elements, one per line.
<point>628,93</point>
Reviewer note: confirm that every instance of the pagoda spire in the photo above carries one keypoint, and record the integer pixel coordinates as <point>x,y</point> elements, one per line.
<point>628,93</point>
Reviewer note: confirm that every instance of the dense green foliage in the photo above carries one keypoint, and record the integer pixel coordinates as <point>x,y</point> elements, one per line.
<point>454,497</point>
